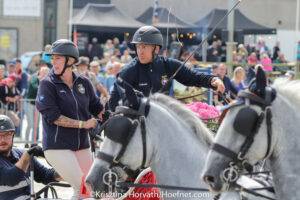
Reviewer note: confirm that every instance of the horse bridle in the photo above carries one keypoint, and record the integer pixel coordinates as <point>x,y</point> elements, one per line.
<point>238,160</point>
<point>136,118</point>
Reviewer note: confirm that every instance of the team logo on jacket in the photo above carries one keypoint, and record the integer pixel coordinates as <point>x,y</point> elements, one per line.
<point>164,80</point>
<point>81,89</point>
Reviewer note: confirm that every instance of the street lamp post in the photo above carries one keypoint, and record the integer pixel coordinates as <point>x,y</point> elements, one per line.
<point>230,44</point>
<point>297,68</point>
<point>70,19</point>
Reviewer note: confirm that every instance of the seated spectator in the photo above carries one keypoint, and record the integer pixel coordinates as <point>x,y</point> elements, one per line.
<point>214,69</point>
<point>94,49</point>
<point>213,53</point>
<point>2,72</point>
<point>266,62</point>
<point>252,59</point>
<point>11,68</point>
<point>14,165</point>
<point>238,78</point>
<point>110,76</point>
<point>9,97</point>
<point>96,69</point>
<point>276,50</point>
<point>45,57</point>
<point>22,83</point>
<point>116,43</point>
<point>280,58</point>
<point>109,47</point>
<point>230,90</point>
<point>82,69</point>
<point>123,46</point>
<point>117,53</point>
<point>105,59</point>
<point>242,53</point>
<point>31,96</point>
<point>126,58</point>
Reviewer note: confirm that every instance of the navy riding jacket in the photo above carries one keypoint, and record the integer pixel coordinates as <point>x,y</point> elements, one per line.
<point>14,182</point>
<point>150,78</point>
<point>54,99</point>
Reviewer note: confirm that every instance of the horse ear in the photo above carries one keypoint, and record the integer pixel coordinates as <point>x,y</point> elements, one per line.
<point>258,86</point>
<point>132,98</point>
<point>261,79</point>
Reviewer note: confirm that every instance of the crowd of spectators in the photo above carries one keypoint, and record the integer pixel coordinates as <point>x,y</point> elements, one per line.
<point>250,54</point>
<point>102,62</point>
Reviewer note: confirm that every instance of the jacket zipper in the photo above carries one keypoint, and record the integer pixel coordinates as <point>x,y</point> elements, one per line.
<point>78,132</point>
<point>55,138</point>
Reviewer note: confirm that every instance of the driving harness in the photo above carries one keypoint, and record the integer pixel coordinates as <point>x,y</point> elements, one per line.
<point>120,128</point>
<point>247,123</point>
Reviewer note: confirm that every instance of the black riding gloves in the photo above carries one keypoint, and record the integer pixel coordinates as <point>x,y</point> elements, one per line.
<point>36,151</point>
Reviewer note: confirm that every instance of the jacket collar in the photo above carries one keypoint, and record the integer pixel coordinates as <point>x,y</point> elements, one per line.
<point>56,79</point>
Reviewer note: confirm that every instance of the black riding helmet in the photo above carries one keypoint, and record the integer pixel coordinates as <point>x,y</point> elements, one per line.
<point>6,124</point>
<point>148,35</point>
<point>65,48</point>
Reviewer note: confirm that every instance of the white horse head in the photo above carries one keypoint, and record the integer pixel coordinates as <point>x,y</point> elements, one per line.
<point>259,126</point>
<point>173,143</point>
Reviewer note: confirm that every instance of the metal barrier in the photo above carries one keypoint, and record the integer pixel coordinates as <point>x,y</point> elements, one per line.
<point>26,119</point>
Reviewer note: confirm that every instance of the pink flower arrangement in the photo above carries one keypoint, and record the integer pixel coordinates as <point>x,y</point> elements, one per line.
<point>203,110</point>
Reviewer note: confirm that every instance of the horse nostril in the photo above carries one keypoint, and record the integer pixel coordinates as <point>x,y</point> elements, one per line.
<point>209,179</point>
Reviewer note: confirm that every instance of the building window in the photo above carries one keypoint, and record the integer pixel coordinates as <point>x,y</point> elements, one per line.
<point>50,21</point>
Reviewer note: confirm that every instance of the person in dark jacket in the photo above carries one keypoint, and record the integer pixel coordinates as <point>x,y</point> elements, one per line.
<point>32,114</point>
<point>230,90</point>
<point>68,105</point>
<point>14,164</point>
<point>148,72</point>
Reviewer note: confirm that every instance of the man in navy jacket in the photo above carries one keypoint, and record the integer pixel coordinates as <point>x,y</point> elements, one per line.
<point>14,164</point>
<point>149,73</point>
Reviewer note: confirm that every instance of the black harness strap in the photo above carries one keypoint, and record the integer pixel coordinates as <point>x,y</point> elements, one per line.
<point>224,151</point>
<point>110,159</point>
<point>256,99</point>
<point>250,138</point>
<point>143,130</point>
<point>105,157</point>
<point>269,129</point>
<point>131,173</point>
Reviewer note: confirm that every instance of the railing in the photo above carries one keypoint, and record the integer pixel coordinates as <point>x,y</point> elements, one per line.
<point>26,119</point>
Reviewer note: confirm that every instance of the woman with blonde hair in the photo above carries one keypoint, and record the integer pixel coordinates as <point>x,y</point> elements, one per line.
<point>239,78</point>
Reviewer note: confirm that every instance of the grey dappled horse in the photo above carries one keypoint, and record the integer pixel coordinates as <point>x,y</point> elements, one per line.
<point>275,137</point>
<point>177,143</point>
